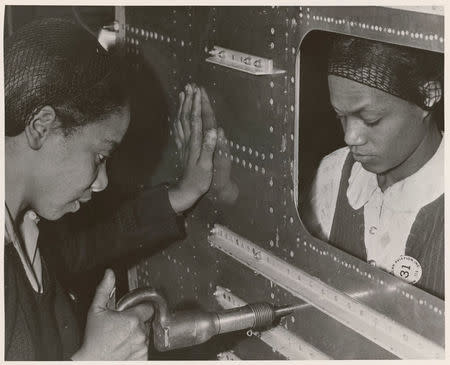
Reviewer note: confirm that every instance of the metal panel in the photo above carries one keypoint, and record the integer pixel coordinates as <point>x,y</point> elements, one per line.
<point>261,118</point>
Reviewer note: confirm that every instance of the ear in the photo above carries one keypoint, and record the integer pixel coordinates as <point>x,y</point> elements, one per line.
<point>40,127</point>
<point>433,92</point>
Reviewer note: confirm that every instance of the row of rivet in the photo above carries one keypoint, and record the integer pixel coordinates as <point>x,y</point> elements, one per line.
<point>244,163</point>
<point>377,28</point>
<point>146,34</point>
<point>366,274</point>
<point>432,37</point>
<point>249,150</point>
<point>344,264</point>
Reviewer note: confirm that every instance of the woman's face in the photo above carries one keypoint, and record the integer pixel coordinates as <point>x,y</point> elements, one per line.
<point>72,167</point>
<point>382,131</point>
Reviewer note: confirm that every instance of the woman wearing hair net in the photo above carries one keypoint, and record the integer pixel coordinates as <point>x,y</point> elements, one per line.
<point>67,108</point>
<point>381,198</point>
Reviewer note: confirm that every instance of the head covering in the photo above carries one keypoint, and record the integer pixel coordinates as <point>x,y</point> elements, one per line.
<point>404,72</point>
<point>49,62</point>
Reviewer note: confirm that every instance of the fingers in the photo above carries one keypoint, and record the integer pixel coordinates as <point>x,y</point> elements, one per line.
<point>223,186</point>
<point>208,117</point>
<point>139,346</point>
<point>181,97</point>
<point>186,111</point>
<point>143,311</point>
<point>179,138</point>
<point>178,125</point>
<point>196,128</point>
<point>210,133</point>
<point>137,317</point>
<point>221,140</point>
<point>208,147</point>
<point>196,110</point>
<point>103,291</point>
<point>140,355</point>
<point>139,332</point>
<point>198,148</point>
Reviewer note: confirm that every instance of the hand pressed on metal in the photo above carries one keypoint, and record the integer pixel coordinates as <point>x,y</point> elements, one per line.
<point>195,137</point>
<point>222,187</point>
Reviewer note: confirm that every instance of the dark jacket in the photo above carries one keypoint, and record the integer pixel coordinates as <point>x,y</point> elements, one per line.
<point>44,326</point>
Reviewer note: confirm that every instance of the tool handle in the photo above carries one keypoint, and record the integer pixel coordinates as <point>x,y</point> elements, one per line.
<point>145,295</point>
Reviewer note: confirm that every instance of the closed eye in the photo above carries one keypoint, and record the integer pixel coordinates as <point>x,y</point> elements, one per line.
<point>373,123</point>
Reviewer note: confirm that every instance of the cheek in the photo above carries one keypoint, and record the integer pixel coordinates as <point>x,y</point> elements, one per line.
<point>83,177</point>
<point>63,173</point>
<point>399,137</point>
<point>74,178</point>
<point>390,137</point>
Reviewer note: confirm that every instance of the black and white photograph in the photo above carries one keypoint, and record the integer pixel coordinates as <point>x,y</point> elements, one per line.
<point>223,182</point>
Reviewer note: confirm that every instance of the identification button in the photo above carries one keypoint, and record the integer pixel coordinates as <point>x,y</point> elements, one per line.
<point>407,268</point>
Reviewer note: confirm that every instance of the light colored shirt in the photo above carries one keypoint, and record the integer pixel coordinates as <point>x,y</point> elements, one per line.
<point>25,243</point>
<point>388,215</point>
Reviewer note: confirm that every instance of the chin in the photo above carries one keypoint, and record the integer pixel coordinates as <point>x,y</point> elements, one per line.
<point>374,168</point>
<point>50,214</point>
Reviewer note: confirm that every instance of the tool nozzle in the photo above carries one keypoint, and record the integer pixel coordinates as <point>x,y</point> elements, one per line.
<point>285,310</point>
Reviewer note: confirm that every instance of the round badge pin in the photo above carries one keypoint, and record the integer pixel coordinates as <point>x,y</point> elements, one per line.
<point>407,268</point>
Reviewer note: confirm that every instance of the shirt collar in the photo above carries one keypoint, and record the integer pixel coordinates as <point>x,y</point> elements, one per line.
<point>30,221</point>
<point>407,195</point>
<point>25,241</point>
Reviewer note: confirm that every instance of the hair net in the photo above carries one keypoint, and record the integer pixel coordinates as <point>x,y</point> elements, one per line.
<point>407,73</point>
<point>49,62</point>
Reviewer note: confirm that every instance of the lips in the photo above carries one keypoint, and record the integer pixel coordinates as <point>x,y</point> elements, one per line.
<point>361,158</point>
<point>75,206</point>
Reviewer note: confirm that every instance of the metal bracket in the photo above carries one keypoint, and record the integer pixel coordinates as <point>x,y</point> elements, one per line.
<point>281,340</point>
<point>376,327</point>
<point>242,61</point>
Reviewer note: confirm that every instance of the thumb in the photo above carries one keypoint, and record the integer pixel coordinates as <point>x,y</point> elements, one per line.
<point>143,311</point>
<point>103,291</point>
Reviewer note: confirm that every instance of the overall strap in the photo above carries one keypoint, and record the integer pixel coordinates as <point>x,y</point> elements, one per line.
<point>347,230</point>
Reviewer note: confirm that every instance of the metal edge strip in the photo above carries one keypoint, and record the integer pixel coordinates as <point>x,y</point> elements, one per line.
<point>369,323</point>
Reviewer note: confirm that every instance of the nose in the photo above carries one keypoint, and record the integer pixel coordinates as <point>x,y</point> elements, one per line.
<point>354,130</point>
<point>101,182</point>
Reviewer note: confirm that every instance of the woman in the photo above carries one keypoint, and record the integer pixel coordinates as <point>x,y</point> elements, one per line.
<point>66,110</point>
<point>381,198</point>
